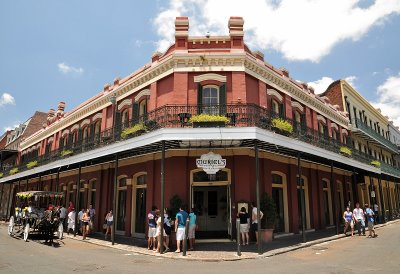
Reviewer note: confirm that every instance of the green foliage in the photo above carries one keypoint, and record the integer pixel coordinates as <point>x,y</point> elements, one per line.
<point>376,163</point>
<point>282,125</point>
<point>66,152</point>
<point>14,171</point>
<point>174,204</point>
<point>208,118</point>
<point>1,175</point>
<point>268,207</point>
<point>132,130</point>
<point>346,150</point>
<point>32,164</point>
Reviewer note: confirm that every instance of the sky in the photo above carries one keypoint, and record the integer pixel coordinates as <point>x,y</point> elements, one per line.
<point>52,51</point>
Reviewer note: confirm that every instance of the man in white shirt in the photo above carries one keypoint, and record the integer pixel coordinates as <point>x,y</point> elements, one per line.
<point>63,214</point>
<point>358,214</point>
<point>71,221</point>
<point>254,221</point>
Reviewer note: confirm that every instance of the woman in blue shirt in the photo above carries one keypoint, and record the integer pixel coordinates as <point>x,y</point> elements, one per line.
<point>192,228</point>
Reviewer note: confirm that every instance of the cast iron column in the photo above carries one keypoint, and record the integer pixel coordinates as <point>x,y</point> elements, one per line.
<point>258,198</point>
<point>8,202</point>
<point>58,179</point>
<point>162,196</point>
<point>77,205</point>
<point>115,199</point>
<point>389,197</point>
<point>355,189</point>
<point>1,197</point>
<point>382,205</point>
<point>303,208</point>
<point>334,190</point>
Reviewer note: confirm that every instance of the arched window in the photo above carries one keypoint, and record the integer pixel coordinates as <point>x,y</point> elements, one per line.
<point>139,204</point>
<point>143,107</point>
<point>121,203</point>
<point>279,194</point>
<point>85,134</point>
<point>92,193</point>
<point>275,107</point>
<point>327,200</point>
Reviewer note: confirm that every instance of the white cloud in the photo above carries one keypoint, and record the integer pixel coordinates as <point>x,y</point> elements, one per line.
<point>322,84</point>
<point>16,124</point>
<point>299,29</point>
<point>65,69</point>
<point>6,99</point>
<point>389,98</point>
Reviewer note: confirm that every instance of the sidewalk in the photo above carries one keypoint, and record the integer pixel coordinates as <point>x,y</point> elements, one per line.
<point>221,251</point>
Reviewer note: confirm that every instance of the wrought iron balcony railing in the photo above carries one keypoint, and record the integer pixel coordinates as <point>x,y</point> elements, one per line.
<point>178,116</point>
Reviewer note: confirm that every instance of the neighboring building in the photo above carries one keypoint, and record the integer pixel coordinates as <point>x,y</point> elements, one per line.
<point>395,138</point>
<point>133,121</point>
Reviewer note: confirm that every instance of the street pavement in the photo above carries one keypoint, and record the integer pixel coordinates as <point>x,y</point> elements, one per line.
<point>346,255</point>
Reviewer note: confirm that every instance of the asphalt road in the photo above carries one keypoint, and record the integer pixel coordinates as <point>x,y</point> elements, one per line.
<point>348,255</point>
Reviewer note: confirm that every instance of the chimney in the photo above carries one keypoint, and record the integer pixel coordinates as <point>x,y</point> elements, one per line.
<point>116,81</point>
<point>259,55</point>
<point>50,116</point>
<point>236,33</point>
<point>181,32</point>
<point>311,89</point>
<point>285,72</point>
<point>60,110</point>
<point>156,56</point>
<point>304,85</point>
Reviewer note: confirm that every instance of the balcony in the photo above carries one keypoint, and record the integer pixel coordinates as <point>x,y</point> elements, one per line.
<point>178,116</point>
<point>375,136</point>
<point>388,169</point>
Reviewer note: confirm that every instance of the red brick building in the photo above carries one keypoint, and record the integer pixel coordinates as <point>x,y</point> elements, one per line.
<point>112,145</point>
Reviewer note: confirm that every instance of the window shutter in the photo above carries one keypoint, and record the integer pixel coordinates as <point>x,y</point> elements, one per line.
<point>135,113</point>
<point>69,141</point>
<point>92,133</point>
<point>61,144</point>
<point>303,122</point>
<point>199,99</point>
<point>117,127</point>
<point>222,100</point>
<point>326,134</point>
<point>282,111</point>
<point>80,136</point>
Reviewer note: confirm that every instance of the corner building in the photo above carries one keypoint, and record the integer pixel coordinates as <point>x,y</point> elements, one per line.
<point>83,152</point>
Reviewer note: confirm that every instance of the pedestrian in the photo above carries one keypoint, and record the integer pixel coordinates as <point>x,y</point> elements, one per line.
<point>180,223</point>
<point>85,224</point>
<point>376,212</point>
<point>244,225</point>
<point>167,227</point>
<point>80,216</point>
<point>158,233</point>
<point>192,229</point>
<point>92,214</point>
<point>71,220</point>
<point>63,215</point>
<point>70,207</point>
<point>110,221</point>
<point>254,221</point>
<point>151,235</point>
<point>370,218</point>
<point>348,221</point>
<point>358,214</point>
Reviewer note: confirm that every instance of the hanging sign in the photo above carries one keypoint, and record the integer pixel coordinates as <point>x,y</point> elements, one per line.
<point>211,163</point>
<point>372,194</point>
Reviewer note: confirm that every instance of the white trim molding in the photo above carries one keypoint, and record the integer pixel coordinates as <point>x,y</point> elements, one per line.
<point>85,122</point>
<point>145,92</point>
<point>298,106</point>
<point>345,131</point>
<point>210,76</point>
<point>334,126</point>
<point>126,102</point>
<point>321,118</point>
<point>51,139</point>
<point>65,132</point>
<point>97,117</point>
<point>276,94</point>
<point>75,127</point>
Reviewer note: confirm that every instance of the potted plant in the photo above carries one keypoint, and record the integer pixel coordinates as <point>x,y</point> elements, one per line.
<point>31,164</point>
<point>268,207</point>
<point>1,175</point>
<point>208,120</point>
<point>66,152</point>
<point>282,126</point>
<point>376,163</point>
<point>345,151</point>
<point>14,171</point>
<point>135,130</point>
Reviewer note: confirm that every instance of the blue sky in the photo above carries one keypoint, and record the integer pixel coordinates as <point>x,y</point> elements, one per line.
<point>53,51</point>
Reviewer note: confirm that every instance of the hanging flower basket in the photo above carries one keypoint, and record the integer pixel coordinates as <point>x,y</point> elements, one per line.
<point>14,171</point>
<point>376,163</point>
<point>345,151</point>
<point>208,120</point>
<point>282,126</point>
<point>1,175</point>
<point>66,152</point>
<point>32,164</point>
<point>136,129</point>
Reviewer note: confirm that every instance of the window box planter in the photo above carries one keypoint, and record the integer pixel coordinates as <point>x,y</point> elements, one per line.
<point>133,131</point>
<point>1,175</point>
<point>31,164</point>
<point>345,151</point>
<point>282,126</point>
<point>376,164</point>
<point>14,171</point>
<point>208,120</point>
<point>66,153</point>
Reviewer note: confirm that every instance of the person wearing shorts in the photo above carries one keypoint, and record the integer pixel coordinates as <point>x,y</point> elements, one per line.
<point>254,221</point>
<point>244,225</point>
<point>348,221</point>
<point>370,218</point>
<point>192,229</point>
<point>158,233</point>
<point>151,235</point>
<point>110,222</point>
<point>180,223</point>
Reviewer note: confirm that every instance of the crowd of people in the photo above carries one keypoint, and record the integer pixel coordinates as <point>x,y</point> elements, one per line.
<point>85,219</point>
<point>358,218</point>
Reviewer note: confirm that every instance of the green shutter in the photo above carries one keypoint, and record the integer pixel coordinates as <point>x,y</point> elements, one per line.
<point>92,128</point>
<point>303,122</point>
<point>199,99</point>
<point>117,127</point>
<point>80,136</point>
<point>222,100</point>
<point>61,144</point>
<point>135,113</point>
<point>69,142</point>
<point>282,111</point>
